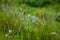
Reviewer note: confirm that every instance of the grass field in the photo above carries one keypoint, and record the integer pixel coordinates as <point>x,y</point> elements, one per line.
<point>29,23</point>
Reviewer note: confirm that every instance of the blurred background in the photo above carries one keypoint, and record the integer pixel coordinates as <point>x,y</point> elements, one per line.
<point>29,19</point>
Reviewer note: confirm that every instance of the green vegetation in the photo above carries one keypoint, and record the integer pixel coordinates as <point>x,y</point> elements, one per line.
<point>29,20</point>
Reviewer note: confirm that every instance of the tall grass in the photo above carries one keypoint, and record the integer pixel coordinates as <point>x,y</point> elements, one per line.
<point>28,23</point>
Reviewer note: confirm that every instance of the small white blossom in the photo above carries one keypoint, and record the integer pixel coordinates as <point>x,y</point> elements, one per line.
<point>53,33</point>
<point>29,15</point>
<point>10,31</point>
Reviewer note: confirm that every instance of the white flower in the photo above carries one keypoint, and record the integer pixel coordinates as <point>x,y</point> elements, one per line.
<point>53,33</point>
<point>10,31</point>
<point>29,15</point>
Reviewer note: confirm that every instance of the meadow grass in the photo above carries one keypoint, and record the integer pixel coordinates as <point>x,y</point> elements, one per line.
<point>29,23</point>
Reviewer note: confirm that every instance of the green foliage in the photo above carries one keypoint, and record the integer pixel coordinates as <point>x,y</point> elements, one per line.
<point>58,18</point>
<point>29,22</point>
<point>33,3</point>
<point>38,3</point>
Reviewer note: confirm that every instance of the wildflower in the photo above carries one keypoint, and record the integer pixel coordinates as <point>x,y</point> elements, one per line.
<point>33,17</point>
<point>10,31</point>
<point>53,33</point>
<point>29,15</point>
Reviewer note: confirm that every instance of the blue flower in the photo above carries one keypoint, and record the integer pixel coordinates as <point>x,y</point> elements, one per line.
<point>33,17</point>
<point>10,31</point>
